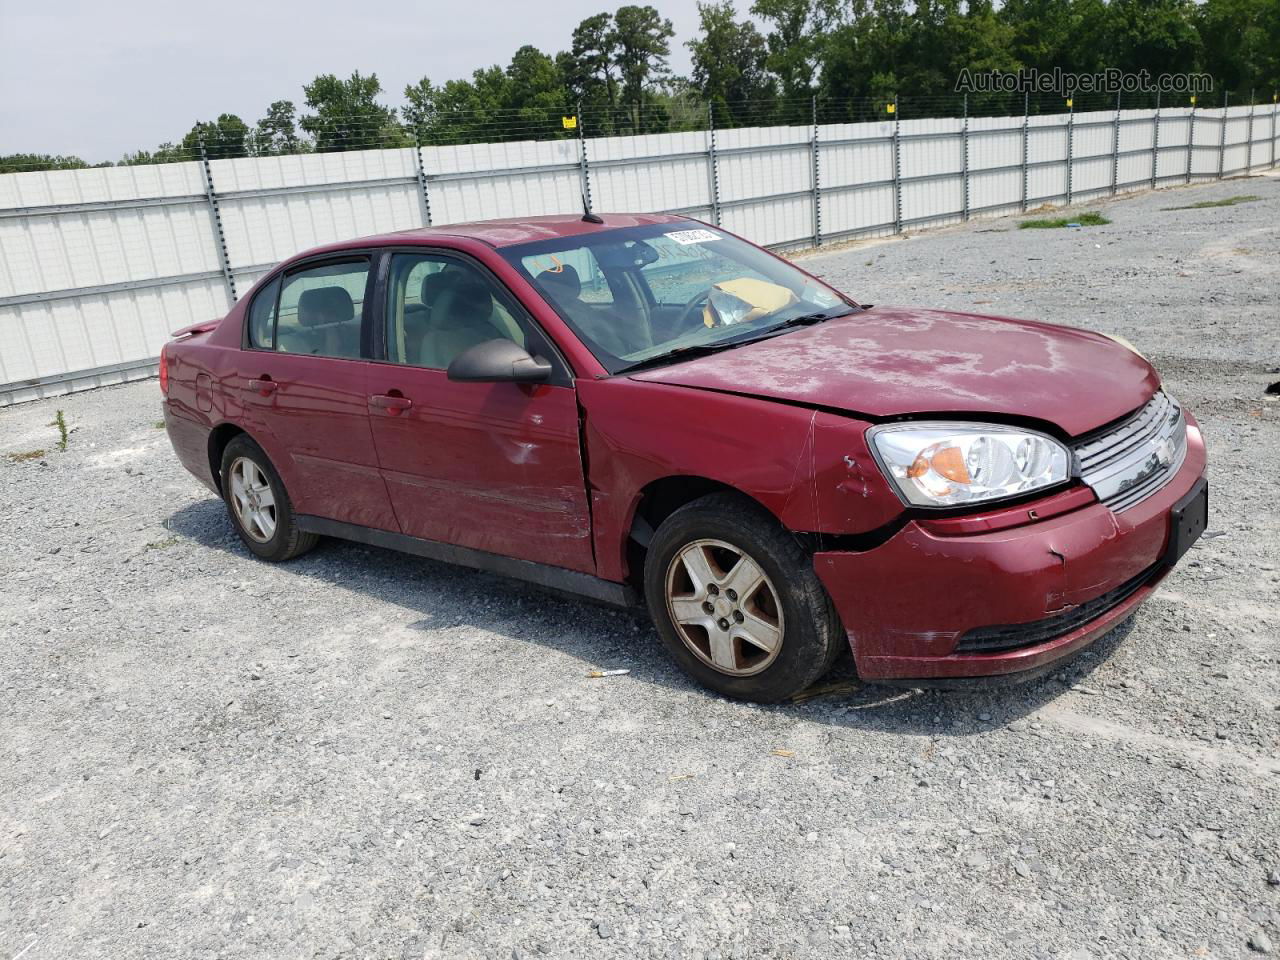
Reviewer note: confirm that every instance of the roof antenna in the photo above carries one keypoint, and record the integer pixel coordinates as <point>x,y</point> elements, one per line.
<point>587,215</point>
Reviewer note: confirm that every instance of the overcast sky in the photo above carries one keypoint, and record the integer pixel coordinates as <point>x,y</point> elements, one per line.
<point>98,79</point>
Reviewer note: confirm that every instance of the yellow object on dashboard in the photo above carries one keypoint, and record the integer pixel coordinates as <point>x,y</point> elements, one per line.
<point>743,300</point>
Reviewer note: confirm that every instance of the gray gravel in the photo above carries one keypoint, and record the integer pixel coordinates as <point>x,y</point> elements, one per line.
<point>361,754</point>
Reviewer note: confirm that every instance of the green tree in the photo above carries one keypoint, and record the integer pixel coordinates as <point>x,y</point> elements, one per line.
<point>1154,35</point>
<point>348,115</point>
<point>642,40</point>
<point>535,88</point>
<point>590,67</point>
<point>1054,33</point>
<point>165,153</point>
<point>885,49</point>
<point>1240,45</point>
<point>729,64</point>
<point>224,138</point>
<point>525,100</point>
<point>277,132</point>
<point>27,162</point>
<point>795,36</point>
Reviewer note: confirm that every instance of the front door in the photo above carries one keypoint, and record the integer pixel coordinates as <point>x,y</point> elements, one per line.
<point>304,386</point>
<point>491,466</point>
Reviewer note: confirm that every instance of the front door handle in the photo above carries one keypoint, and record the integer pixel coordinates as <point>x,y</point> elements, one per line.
<point>264,385</point>
<point>394,405</point>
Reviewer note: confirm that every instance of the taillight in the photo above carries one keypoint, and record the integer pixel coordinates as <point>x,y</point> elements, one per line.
<point>164,369</point>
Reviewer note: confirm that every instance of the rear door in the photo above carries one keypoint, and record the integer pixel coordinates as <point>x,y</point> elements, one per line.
<point>491,466</point>
<point>303,377</point>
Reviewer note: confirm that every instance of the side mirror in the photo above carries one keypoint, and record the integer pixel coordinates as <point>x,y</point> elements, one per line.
<point>497,361</point>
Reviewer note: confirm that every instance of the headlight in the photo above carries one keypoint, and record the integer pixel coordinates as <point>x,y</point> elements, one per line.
<point>949,464</point>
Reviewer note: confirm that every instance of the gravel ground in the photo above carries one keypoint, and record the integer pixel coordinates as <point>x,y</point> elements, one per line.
<point>360,754</point>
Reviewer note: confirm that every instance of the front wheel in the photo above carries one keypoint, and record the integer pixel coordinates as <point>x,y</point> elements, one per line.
<point>737,603</point>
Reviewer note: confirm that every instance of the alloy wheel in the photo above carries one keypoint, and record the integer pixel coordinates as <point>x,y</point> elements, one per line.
<point>724,607</point>
<point>253,500</point>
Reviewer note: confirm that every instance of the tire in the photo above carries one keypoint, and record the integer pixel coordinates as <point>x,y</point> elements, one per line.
<point>736,660</point>
<point>259,505</point>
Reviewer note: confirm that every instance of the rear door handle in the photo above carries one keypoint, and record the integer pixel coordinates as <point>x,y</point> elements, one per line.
<point>393,405</point>
<point>263,385</point>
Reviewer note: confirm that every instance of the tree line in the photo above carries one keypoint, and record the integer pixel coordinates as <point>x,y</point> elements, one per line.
<point>849,56</point>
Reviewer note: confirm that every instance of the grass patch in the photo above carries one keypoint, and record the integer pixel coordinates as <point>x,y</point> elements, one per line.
<point>24,457</point>
<point>163,544</point>
<point>1224,202</point>
<point>61,423</point>
<point>159,424</point>
<point>1089,219</point>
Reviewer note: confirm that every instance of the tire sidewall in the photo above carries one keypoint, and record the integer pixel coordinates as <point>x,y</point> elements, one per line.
<point>806,644</point>
<point>278,546</point>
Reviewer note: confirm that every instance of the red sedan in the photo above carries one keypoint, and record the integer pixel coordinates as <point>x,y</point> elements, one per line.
<point>648,408</point>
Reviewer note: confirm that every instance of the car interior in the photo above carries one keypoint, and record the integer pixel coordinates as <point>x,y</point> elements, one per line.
<point>328,325</point>
<point>455,310</point>
<point>563,285</point>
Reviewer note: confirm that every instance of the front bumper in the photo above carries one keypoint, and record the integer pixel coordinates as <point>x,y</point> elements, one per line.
<point>907,603</point>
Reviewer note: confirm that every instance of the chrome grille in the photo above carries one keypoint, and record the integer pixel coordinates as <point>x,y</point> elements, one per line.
<point>1129,462</point>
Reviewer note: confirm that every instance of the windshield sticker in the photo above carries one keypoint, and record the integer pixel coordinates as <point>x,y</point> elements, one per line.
<point>692,236</point>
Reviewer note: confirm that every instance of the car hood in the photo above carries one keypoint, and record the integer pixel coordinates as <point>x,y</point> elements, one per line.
<point>886,362</point>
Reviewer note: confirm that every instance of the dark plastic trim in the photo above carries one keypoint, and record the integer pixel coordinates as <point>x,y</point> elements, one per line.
<point>499,361</point>
<point>543,575</point>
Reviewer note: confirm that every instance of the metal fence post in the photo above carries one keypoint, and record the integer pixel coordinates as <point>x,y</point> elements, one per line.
<point>1191,136</point>
<point>1274,105</point>
<point>1115,148</point>
<point>1026,119</point>
<point>713,164</point>
<point>584,167</point>
<point>897,171</point>
<point>1248,159</point>
<point>1222,134</point>
<point>422,183</point>
<point>817,180</point>
<point>219,236</point>
<point>1155,143</point>
<point>964,134</point>
<point>1071,137</point>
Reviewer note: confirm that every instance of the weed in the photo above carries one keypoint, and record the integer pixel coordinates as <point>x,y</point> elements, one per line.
<point>24,457</point>
<point>1224,202</point>
<point>159,425</point>
<point>61,423</point>
<point>1089,219</point>
<point>164,544</point>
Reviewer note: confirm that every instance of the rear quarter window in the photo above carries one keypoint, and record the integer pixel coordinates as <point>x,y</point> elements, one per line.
<point>262,317</point>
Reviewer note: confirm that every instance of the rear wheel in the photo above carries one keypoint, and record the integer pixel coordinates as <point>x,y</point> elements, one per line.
<point>737,603</point>
<point>259,505</point>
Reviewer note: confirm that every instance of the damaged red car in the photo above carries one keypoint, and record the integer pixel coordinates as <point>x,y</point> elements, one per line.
<point>649,409</point>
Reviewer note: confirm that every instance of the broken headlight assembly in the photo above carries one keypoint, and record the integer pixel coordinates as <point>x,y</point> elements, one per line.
<point>935,464</point>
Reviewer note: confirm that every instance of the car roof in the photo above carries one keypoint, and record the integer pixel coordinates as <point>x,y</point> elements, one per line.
<point>517,230</point>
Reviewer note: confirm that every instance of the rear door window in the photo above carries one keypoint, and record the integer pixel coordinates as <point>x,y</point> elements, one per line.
<point>321,309</point>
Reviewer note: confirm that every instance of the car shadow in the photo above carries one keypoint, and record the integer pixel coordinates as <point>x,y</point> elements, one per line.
<point>627,638</point>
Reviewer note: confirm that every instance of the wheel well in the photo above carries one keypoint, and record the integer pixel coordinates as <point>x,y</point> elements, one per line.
<point>659,500</point>
<point>218,440</point>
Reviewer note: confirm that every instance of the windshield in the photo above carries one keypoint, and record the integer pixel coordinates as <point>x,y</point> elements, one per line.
<point>636,294</point>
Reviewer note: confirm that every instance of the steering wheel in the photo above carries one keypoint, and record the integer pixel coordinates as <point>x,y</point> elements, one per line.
<point>687,311</point>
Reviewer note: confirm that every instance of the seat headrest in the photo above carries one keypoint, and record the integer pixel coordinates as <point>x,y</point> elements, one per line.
<point>471,301</point>
<point>434,284</point>
<point>324,305</point>
<point>562,283</point>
